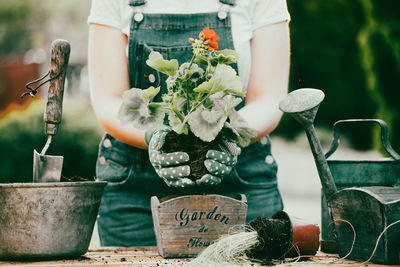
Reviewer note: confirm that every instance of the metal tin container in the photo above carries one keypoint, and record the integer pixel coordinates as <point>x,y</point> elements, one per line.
<point>47,220</point>
<point>357,173</point>
<point>374,213</point>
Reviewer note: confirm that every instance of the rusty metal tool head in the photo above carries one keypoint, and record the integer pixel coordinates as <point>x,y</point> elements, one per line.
<point>47,168</point>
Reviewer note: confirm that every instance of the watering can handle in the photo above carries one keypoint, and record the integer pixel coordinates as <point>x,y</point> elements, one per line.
<point>60,50</point>
<point>384,136</point>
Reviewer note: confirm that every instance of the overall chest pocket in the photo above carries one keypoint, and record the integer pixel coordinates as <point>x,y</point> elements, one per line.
<point>256,167</point>
<point>144,76</point>
<point>113,165</point>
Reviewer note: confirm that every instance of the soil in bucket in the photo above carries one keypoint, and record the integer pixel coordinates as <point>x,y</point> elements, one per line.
<point>75,179</point>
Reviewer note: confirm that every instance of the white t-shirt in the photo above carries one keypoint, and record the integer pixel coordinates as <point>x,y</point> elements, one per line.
<point>246,15</point>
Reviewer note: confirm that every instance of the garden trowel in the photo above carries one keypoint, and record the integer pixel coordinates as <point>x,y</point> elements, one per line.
<point>47,168</point>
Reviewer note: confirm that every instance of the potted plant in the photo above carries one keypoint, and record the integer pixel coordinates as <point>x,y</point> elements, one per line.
<point>199,104</point>
<point>268,241</point>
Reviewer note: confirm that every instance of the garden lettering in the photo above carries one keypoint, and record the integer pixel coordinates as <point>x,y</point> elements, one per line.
<point>184,217</point>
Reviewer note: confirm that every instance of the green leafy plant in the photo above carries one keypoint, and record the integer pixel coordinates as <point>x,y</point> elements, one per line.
<point>201,97</point>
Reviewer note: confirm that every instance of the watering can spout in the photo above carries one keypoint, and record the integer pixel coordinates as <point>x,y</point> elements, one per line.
<point>303,104</point>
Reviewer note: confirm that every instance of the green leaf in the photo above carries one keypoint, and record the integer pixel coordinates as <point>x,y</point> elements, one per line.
<point>226,56</point>
<point>205,87</point>
<point>195,73</point>
<point>227,80</point>
<point>228,53</point>
<point>206,124</point>
<point>177,124</point>
<point>234,85</point>
<point>132,102</point>
<point>156,61</point>
<point>155,109</point>
<point>179,103</point>
<point>151,117</point>
<point>149,93</point>
<point>241,129</point>
<point>139,113</point>
<point>202,59</point>
<point>228,102</point>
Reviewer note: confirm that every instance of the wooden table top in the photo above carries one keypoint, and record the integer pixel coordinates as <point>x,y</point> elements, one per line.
<point>148,256</point>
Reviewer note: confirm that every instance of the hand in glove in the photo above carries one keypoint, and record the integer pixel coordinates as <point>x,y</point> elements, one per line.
<point>171,167</point>
<point>219,163</point>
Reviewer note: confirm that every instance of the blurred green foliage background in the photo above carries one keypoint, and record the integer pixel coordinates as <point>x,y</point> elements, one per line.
<point>348,49</point>
<point>77,141</point>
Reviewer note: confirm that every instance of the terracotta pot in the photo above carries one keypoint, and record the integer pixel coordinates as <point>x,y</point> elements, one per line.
<point>14,74</point>
<point>305,235</point>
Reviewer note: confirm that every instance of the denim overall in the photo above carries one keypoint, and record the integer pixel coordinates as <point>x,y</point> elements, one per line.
<point>125,214</point>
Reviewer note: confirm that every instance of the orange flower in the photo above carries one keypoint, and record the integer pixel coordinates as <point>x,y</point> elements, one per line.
<point>211,37</point>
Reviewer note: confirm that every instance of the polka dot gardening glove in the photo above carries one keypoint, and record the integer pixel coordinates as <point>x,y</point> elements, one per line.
<point>219,163</point>
<point>171,167</point>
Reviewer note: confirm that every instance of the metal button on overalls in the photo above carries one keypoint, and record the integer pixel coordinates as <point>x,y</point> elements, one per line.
<point>102,160</point>
<point>152,78</point>
<point>107,143</point>
<point>222,15</point>
<point>138,17</point>
<point>269,159</point>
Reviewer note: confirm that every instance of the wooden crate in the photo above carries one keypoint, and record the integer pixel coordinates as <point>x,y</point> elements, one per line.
<point>185,225</point>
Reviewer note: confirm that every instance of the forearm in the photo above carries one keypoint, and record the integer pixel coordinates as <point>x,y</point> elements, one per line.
<point>262,115</point>
<point>268,83</point>
<point>106,113</point>
<point>109,79</point>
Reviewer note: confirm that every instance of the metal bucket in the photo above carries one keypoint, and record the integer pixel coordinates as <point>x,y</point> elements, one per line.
<point>47,220</point>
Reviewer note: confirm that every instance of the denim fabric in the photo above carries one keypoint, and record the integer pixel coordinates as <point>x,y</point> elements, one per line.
<point>137,2</point>
<point>169,34</point>
<point>142,2</point>
<point>228,2</point>
<point>125,214</point>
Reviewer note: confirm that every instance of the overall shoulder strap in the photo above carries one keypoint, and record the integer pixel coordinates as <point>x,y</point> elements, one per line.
<point>228,2</point>
<point>142,2</point>
<point>137,2</point>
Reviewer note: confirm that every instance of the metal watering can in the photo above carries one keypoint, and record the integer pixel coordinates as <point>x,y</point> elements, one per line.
<point>371,210</point>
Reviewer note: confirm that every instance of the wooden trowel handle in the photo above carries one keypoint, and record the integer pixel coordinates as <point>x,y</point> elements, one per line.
<point>60,50</point>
